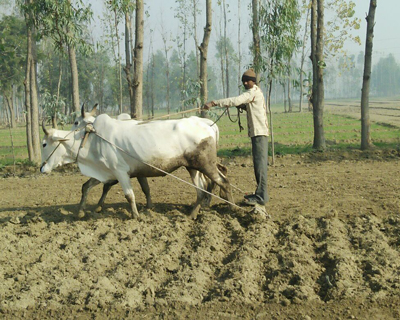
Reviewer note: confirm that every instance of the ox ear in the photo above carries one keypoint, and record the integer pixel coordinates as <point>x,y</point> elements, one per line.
<point>59,139</point>
<point>83,110</point>
<point>94,110</point>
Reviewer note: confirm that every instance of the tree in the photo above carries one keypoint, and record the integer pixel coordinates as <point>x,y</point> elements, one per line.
<point>136,112</point>
<point>167,48</point>
<point>31,97</point>
<point>239,74</point>
<point>256,38</point>
<point>277,23</point>
<point>303,56</point>
<point>365,123</point>
<point>117,8</point>
<point>127,8</point>
<point>12,60</point>
<point>318,63</point>
<point>203,48</point>
<point>181,14</point>
<point>64,22</point>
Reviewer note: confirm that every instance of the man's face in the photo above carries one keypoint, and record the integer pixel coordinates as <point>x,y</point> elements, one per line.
<point>248,84</point>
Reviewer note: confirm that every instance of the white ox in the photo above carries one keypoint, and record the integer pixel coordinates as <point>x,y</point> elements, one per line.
<point>80,124</point>
<point>120,150</point>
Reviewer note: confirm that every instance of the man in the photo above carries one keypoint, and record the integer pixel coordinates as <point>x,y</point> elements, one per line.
<point>257,123</point>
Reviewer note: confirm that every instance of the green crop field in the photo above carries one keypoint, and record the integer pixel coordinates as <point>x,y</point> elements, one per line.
<point>293,133</point>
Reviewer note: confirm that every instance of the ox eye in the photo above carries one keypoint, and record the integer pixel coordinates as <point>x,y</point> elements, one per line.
<point>76,123</point>
<point>44,145</point>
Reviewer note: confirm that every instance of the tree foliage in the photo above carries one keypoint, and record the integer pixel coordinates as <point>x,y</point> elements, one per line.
<point>12,51</point>
<point>63,21</point>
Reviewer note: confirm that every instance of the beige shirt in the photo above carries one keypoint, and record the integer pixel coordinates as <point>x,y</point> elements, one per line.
<point>257,122</point>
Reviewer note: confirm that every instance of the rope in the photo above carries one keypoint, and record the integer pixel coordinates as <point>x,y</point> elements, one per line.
<point>169,174</point>
<point>169,115</point>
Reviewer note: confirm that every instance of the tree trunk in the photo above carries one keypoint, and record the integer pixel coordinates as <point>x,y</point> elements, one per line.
<point>271,124</point>
<point>116,22</point>
<point>196,42</point>
<point>365,123</point>
<point>166,49</point>
<point>128,61</point>
<point>74,78</point>
<point>136,112</point>
<point>31,98</point>
<point>302,62</point>
<point>239,52</point>
<point>27,84</point>
<point>256,40</point>
<point>10,106</point>
<point>203,55</point>
<point>289,98</point>
<point>35,107</point>
<point>226,52</point>
<point>317,29</point>
<point>284,97</point>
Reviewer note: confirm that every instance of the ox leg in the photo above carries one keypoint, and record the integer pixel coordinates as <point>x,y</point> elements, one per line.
<point>199,181</point>
<point>86,187</point>
<point>106,187</point>
<point>209,186</point>
<point>125,182</point>
<point>146,190</point>
<point>217,176</point>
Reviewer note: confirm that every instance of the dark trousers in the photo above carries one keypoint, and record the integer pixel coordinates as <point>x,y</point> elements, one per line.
<point>259,149</point>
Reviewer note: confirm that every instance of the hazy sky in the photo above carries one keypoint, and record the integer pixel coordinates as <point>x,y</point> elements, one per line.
<point>161,19</point>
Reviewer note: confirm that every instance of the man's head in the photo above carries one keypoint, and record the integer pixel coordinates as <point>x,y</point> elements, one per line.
<point>249,79</point>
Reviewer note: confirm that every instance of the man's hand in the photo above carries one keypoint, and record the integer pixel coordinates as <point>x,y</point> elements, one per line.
<point>208,105</point>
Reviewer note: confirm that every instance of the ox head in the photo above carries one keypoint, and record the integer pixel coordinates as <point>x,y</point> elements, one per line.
<point>85,117</point>
<point>54,153</point>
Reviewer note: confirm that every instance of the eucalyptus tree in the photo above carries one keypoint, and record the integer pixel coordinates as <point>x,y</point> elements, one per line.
<point>64,22</point>
<point>228,80</point>
<point>12,60</point>
<point>137,107</point>
<point>365,122</point>
<point>319,64</point>
<point>30,83</point>
<point>203,48</point>
<point>278,20</point>
<point>181,41</point>
<point>306,11</point>
<point>115,10</point>
<point>195,11</point>
<point>256,45</point>
<point>167,47</point>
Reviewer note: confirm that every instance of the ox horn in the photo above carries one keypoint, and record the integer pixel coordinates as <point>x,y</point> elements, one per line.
<point>94,110</point>
<point>83,110</point>
<point>44,128</point>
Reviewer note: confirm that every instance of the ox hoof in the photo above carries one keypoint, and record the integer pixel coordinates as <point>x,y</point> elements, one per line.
<point>193,215</point>
<point>98,209</point>
<point>81,214</point>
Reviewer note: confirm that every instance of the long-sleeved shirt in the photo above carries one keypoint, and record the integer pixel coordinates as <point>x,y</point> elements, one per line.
<point>257,121</point>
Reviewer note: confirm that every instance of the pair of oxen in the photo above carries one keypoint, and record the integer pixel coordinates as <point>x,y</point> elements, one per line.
<point>114,150</point>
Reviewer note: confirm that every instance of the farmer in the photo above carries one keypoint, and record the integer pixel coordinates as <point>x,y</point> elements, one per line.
<point>252,100</point>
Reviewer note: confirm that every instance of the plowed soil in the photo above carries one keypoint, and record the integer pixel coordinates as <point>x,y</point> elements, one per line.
<point>331,249</point>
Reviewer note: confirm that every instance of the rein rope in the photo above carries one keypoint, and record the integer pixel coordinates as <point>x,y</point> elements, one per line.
<point>239,111</point>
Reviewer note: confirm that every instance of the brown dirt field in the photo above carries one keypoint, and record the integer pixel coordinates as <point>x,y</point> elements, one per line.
<point>330,251</point>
